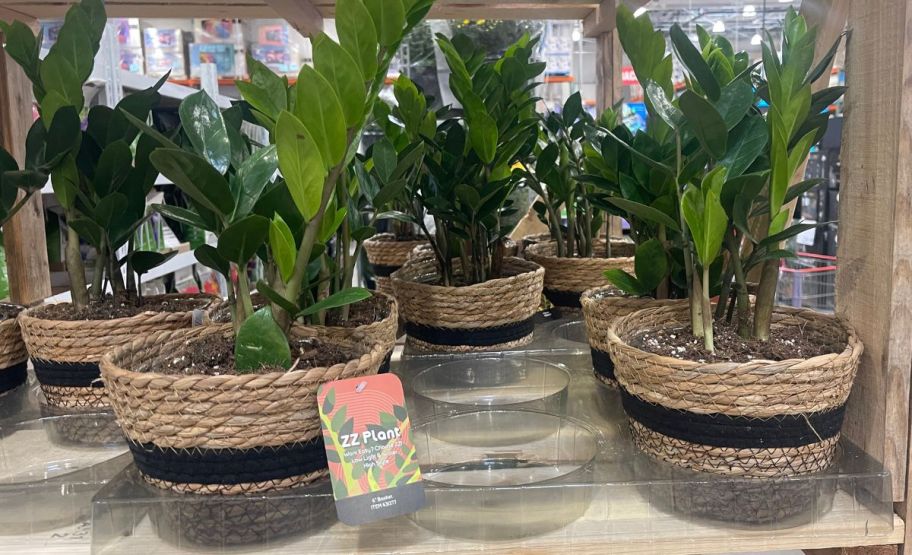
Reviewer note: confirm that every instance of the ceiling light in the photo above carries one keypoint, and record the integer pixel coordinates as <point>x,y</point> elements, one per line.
<point>749,11</point>
<point>576,35</point>
<point>785,1</point>
<point>756,39</point>
<point>719,27</point>
<point>640,11</point>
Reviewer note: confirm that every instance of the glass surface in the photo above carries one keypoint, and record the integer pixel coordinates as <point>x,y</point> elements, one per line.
<point>494,382</point>
<point>573,332</point>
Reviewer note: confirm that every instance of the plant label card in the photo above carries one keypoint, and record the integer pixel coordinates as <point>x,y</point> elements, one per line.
<point>369,448</point>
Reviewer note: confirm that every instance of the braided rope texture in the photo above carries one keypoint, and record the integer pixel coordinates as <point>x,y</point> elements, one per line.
<point>12,347</point>
<point>385,250</point>
<point>496,302</point>
<point>760,389</point>
<point>250,411</point>
<point>574,274</point>
<point>511,248</point>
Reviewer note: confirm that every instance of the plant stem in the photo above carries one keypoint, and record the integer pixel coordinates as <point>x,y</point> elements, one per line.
<point>245,304</point>
<point>696,305</point>
<point>662,289</point>
<point>75,268</point>
<point>707,314</point>
<point>740,288</point>
<point>696,316</point>
<point>98,276</point>
<point>608,235</point>
<point>766,298</point>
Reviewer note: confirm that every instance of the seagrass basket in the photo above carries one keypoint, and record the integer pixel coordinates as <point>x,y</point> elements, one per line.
<point>13,355</point>
<point>760,418</point>
<point>65,354</point>
<point>225,434</point>
<point>386,254</point>
<point>511,248</point>
<point>494,315</point>
<point>601,307</point>
<point>566,278</point>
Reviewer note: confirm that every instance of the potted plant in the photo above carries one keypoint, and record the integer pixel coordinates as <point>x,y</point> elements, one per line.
<point>230,408</point>
<point>101,176</point>
<point>13,354</point>
<point>394,159</point>
<point>467,295</point>
<point>575,257</point>
<point>756,390</point>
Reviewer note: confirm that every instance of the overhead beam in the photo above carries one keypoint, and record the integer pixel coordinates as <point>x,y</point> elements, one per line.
<point>300,14</point>
<point>602,18</point>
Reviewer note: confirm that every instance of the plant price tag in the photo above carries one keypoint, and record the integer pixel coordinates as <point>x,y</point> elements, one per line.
<point>372,463</point>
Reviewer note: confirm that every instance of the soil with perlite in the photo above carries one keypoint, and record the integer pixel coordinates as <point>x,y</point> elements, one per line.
<point>786,342</point>
<point>124,307</point>
<point>9,311</point>
<point>214,356</point>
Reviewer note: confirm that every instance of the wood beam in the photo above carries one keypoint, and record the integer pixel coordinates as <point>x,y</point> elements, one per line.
<point>602,18</point>
<point>23,236</point>
<point>874,280</point>
<point>300,14</point>
<point>609,59</point>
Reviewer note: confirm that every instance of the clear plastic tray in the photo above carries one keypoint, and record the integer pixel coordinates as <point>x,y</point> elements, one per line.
<point>51,467</point>
<point>491,382</point>
<point>635,504</point>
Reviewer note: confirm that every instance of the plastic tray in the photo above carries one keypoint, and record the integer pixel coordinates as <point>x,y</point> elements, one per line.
<point>635,503</point>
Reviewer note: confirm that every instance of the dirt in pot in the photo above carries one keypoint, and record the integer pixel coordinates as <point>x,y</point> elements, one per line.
<point>786,342</point>
<point>370,310</point>
<point>214,356</point>
<point>107,309</point>
<point>9,311</point>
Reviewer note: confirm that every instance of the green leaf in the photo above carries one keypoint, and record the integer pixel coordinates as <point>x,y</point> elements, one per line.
<point>329,401</point>
<point>22,46</point>
<point>468,196</point>
<point>573,108</point>
<point>331,223</point>
<point>357,37</point>
<point>625,282</point>
<point>705,122</point>
<point>301,164</point>
<point>65,181</point>
<point>282,244</point>
<point>260,343</point>
<point>748,141</point>
<point>277,299</point>
<point>319,109</point>
<point>799,189</point>
<point>389,19</point>
<point>342,298</point>
<point>254,175</point>
<point>143,261</point>
<point>240,241</point>
<point>149,130</point>
<point>663,107</point>
<point>63,84</point>
<point>63,136</point>
<point>650,264</point>
<point>385,158</point>
<point>735,101</point>
<point>705,217</point>
<point>208,256</point>
<point>196,178</point>
<point>483,135</point>
<point>114,166</point>
<point>790,232</point>
<point>694,62</point>
<point>339,68</point>
<point>181,215</point>
<point>645,212</point>
<point>202,122</point>
<point>109,209</point>
<point>390,192</point>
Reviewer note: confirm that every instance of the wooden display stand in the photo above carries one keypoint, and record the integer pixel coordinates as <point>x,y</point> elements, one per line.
<point>874,279</point>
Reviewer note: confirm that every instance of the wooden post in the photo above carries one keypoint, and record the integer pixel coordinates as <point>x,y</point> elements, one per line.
<point>23,236</point>
<point>300,14</point>
<point>874,280</point>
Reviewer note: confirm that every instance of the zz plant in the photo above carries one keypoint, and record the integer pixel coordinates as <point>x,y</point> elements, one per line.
<point>717,165</point>
<point>287,221</point>
<point>100,175</point>
<point>467,174</point>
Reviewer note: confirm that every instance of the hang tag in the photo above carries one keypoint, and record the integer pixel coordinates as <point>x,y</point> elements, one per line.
<point>372,461</point>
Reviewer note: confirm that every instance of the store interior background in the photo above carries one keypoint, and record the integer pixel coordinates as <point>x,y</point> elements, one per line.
<point>141,50</point>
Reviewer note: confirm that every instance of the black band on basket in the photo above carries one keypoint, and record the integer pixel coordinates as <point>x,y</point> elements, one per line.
<point>564,298</point>
<point>602,363</point>
<point>382,270</point>
<point>737,432</point>
<point>474,337</point>
<point>228,466</point>
<point>67,374</point>
<point>13,376</point>
<point>385,367</point>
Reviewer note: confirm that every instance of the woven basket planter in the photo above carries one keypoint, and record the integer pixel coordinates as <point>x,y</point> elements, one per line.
<point>65,354</point>
<point>13,355</point>
<point>228,434</point>
<point>386,255</point>
<point>511,248</point>
<point>567,277</point>
<point>601,307</point>
<point>494,315</point>
<point>759,418</point>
